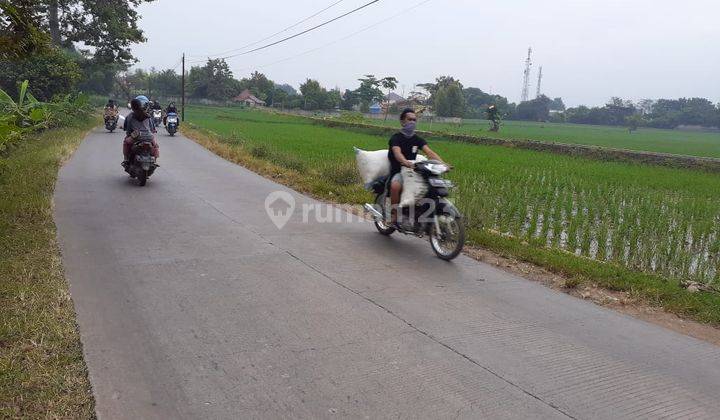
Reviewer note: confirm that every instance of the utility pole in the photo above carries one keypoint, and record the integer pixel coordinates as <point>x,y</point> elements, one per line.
<point>526,78</point>
<point>182,116</point>
<point>537,94</point>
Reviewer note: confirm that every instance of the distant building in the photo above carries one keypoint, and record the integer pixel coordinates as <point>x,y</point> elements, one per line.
<point>393,98</point>
<point>376,108</point>
<point>249,99</point>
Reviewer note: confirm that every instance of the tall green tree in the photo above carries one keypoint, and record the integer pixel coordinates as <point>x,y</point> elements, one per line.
<point>314,95</point>
<point>449,101</point>
<point>260,86</point>
<point>108,27</point>
<point>537,109</point>
<point>213,81</point>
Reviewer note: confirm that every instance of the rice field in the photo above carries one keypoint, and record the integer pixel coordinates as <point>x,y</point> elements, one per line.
<point>647,218</point>
<point>703,144</point>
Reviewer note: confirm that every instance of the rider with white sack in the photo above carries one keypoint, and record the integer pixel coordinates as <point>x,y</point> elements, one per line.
<point>402,150</point>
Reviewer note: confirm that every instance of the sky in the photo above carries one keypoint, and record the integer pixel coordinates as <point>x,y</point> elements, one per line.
<point>590,50</point>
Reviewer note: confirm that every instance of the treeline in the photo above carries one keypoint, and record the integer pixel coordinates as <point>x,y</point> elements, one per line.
<point>63,47</point>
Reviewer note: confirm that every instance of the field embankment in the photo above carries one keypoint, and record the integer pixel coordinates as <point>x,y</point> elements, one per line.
<point>42,371</point>
<point>655,141</point>
<point>637,228</point>
<point>612,152</point>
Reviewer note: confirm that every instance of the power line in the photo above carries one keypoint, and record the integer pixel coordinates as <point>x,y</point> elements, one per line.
<point>365,29</point>
<point>276,33</point>
<point>300,33</point>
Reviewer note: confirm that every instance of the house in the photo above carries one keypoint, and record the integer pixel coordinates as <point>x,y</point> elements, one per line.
<point>393,98</point>
<point>248,98</point>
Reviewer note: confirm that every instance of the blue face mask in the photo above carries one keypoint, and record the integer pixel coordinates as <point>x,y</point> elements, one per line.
<point>408,129</point>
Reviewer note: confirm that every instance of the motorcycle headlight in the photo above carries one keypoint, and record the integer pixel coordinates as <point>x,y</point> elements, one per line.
<point>440,183</point>
<point>437,168</point>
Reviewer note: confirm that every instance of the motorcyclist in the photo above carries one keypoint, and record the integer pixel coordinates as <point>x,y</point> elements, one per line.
<point>402,149</point>
<point>170,108</point>
<point>138,120</point>
<point>111,109</point>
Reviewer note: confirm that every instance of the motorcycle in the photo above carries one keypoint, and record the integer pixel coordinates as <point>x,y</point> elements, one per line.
<point>433,215</point>
<point>142,163</point>
<point>111,120</point>
<point>172,123</point>
<point>157,117</point>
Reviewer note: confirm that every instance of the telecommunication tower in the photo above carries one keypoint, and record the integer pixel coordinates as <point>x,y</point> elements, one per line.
<point>537,94</point>
<point>526,77</point>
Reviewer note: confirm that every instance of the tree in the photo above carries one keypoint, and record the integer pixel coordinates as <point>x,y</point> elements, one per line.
<point>632,122</point>
<point>213,81</point>
<point>50,73</point>
<point>168,83</point>
<point>557,104</point>
<point>449,101</point>
<point>108,27</point>
<point>260,86</point>
<point>314,95</point>
<point>350,99</point>
<point>479,101</point>
<point>537,109</point>
<point>369,91</point>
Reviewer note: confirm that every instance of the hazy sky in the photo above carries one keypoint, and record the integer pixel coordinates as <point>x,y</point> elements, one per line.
<point>590,50</point>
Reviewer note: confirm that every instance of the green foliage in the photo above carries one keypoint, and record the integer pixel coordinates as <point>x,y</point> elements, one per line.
<point>27,114</point>
<point>479,101</point>
<point>449,101</point>
<point>537,109</point>
<point>260,86</point>
<point>369,91</point>
<point>213,81</point>
<point>50,73</point>
<point>316,97</point>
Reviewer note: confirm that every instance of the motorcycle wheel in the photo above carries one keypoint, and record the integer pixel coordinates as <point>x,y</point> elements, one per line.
<point>447,243</point>
<point>380,225</point>
<point>142,178</point>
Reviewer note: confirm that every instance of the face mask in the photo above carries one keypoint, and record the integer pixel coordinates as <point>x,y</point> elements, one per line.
<point>408,129</point>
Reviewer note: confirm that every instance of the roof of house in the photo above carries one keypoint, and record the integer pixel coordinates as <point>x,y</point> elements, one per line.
<point>245,95</point>
<point>394,97</point>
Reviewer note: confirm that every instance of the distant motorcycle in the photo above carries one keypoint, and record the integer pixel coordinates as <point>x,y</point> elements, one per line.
<point>157,117</point>
<point>172,123</point>
<point>142,163</point>
<point>433,215</point>
<point>111,120</point>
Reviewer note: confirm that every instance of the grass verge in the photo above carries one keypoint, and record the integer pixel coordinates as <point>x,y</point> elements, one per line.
<point>42,371</point>
<point>324,184</point>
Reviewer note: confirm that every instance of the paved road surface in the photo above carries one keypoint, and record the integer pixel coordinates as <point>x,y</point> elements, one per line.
<point>192,304</point>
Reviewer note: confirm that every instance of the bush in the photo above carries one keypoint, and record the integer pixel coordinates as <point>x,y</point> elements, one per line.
<point>52,73</point>
<point>27,114</point>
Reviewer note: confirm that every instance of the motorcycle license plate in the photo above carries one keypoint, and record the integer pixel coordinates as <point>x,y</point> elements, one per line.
<point>145,159</point>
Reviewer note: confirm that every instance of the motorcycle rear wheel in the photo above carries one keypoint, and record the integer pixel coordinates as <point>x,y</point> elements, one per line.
<point>381,225</point>
<point>142,178</point>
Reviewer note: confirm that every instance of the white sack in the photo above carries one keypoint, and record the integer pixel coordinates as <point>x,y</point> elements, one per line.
<point>414,185</point>
<point>372,164</point>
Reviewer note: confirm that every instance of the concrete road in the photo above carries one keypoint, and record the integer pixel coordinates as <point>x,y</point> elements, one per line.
<point>192,304</point>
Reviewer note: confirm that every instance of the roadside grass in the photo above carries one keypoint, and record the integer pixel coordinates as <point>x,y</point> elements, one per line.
<point>42,371</point>
<point>511,197</point>
<point>692,143</point>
